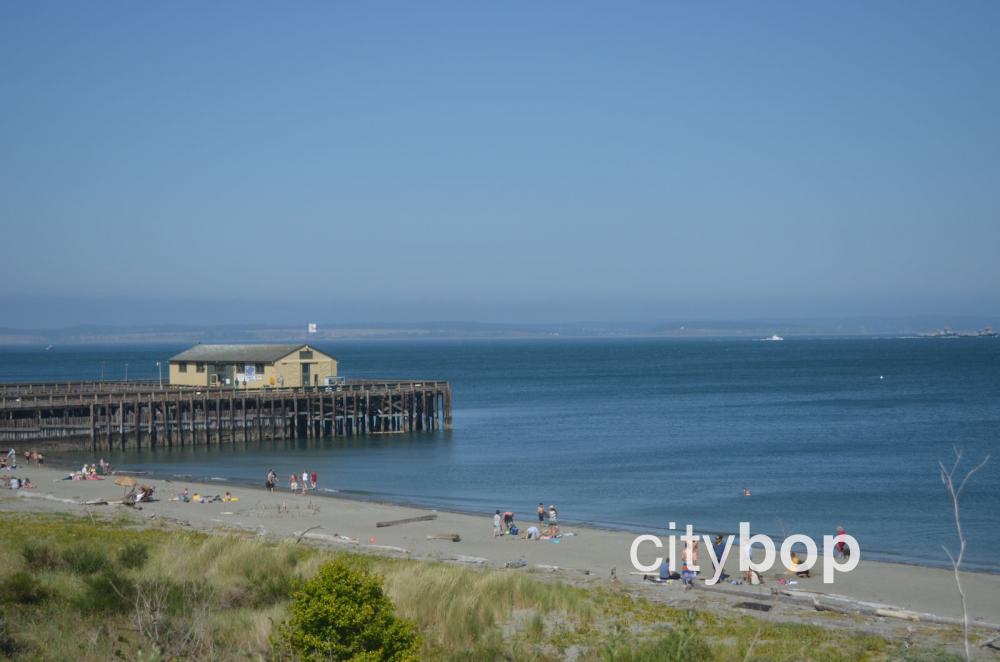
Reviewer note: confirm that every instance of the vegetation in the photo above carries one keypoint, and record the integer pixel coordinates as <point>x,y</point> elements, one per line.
<point>342,614</point>
<point>82,589</point>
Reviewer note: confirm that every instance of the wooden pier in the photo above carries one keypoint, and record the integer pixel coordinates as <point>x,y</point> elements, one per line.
<point>144,414</point>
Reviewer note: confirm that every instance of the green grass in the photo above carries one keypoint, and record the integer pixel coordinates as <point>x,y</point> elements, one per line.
<point>97,590</point>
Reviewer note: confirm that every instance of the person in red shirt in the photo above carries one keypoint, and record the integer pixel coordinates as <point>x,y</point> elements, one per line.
<point>313,478</point>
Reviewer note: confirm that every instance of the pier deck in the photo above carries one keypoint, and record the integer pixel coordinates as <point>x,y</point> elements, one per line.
<point>140,414</point>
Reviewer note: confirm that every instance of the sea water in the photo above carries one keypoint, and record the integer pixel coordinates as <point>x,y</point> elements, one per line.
<point>633,433</point>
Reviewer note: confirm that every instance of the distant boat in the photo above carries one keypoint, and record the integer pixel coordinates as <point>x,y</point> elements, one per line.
<point>774,338</point>
<point>48,348</point>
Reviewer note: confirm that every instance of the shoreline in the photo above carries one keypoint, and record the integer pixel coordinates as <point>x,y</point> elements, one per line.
<point>585,552</point>
<point>621,528</point>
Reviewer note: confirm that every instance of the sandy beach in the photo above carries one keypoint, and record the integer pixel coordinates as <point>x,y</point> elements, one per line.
<point>582,555</point>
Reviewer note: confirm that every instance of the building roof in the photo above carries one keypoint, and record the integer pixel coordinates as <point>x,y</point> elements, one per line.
<point>255,353</point>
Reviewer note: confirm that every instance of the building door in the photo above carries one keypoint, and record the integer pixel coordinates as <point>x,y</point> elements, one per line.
<point>305,374</point>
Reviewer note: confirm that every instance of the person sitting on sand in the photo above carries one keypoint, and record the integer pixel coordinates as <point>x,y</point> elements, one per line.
<point>185,495</point>
<point>26,484</point>
<point>795,567</point>
<point>195,498</point>
<point>687,577</point>
<point>752,576</point>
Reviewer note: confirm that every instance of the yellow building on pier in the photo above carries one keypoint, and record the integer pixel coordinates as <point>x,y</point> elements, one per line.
<point>252,366</point>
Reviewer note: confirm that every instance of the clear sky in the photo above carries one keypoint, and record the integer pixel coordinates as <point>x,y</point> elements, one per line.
<point>489,161</point>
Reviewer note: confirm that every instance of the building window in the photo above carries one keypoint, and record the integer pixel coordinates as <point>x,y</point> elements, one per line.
<point>182,367</point>
<point>199,366</point>
<point>305,355</point>
<point>259,368</point>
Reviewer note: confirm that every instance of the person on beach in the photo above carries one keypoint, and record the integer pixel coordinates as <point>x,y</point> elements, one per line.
<point>293,483</point>
<point>508,521</point>
<point>553,520</point>
<point>842,550</point>
<point>12,459</point>
<point>795,567</point>
<point>690,556</point>
<point>718,546</point>
<point>532,533</point>
<point>305,482</point>
<point>496,525</point>
<point>541,513</point>
<point>687,577</point>
<point>752,576</point>
<point>270,480</point>
<point>313,479</point>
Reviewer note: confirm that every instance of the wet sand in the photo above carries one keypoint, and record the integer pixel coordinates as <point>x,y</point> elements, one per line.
<point>582,553</point>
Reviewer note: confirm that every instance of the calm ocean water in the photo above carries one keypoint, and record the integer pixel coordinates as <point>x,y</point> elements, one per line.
<point>633,433</point>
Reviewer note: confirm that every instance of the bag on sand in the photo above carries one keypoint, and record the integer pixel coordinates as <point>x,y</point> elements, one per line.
<point>513,530</point>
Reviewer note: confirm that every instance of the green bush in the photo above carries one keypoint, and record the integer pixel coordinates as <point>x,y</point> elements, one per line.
<point>22,588</point>
<point>342,614</point>
<point>40,556</point>
<point>106,593</point>
<point>85,560</point>
<point>133,555</point>
<point>8,645</point>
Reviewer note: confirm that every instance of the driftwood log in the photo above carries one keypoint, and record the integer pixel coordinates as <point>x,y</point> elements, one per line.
<point>453,537</point>
<point>408,520</point>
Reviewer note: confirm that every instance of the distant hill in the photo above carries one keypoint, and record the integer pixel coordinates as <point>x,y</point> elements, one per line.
<point>181,333</point>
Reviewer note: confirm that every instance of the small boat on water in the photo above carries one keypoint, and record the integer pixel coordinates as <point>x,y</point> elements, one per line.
<point>774,338</point>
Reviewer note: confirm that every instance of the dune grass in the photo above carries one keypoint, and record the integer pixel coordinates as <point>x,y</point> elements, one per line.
<point>73,588</point>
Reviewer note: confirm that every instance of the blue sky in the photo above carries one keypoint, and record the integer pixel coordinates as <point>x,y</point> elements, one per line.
<point>463,161</point>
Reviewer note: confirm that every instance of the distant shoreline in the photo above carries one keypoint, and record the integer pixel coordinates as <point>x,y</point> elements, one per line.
<point>44,342</point>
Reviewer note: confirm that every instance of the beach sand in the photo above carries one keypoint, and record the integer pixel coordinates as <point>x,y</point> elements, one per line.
<point>585,555</point>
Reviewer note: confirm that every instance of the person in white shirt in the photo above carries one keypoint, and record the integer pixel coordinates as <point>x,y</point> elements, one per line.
<point>496,525</point>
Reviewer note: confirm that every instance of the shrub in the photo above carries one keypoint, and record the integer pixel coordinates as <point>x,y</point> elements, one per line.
<point>40,556</point>
<point>8,645</point>
<point>342,614</point>
<point>85,560</point>
<point>22,588</point>
<point>106,593</point>
<point>133,555</point>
